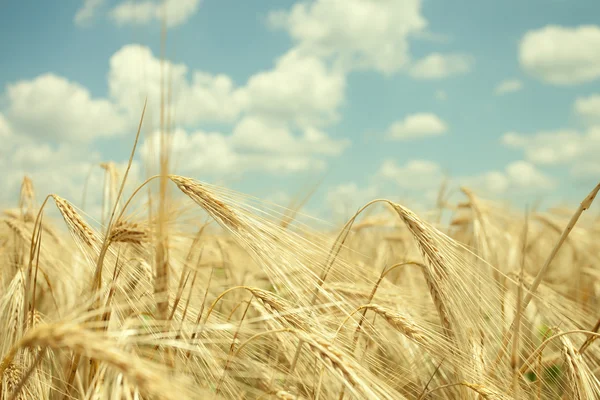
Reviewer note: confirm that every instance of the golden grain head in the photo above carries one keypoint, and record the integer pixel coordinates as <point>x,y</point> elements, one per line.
<point>128,232</point>
<point>74,221</point>
<point>204,198</point>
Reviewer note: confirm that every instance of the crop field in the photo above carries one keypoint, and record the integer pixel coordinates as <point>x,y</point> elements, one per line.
<point>300,200</point>
<point>190,290</point>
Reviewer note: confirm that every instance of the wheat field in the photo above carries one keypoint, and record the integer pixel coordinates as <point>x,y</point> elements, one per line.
<point>188,290</point>
<point>185,289</point>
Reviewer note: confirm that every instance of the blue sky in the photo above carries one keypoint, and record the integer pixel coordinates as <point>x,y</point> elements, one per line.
<point>366,97</point>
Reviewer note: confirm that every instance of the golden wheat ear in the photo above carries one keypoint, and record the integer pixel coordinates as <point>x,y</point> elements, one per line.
<point>77,225</point>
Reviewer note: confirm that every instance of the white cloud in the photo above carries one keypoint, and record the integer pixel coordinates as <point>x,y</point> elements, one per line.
<point>417,183</point>
<point>488,183</point>
<point>144,12</point>
<point>525,175</point>
<point>7,138</point>
<point>355,33</point>
<point>425,177</point>
<point>53,169</point>
<point>299,88</point>
<point>508,86</point>
<point>208,152</point>
<point>277,119</point>
<point>520,176</point>
<point>5,131</point>
<point>52,107</point>
<point>553,147</point>
<point>136,73</point>
<point>417,126</point>
<point>562,55</point>
<point>415,174</point>
<point>438,66</point>
<point>260,134</point>
<point>255,145</point>
<point>567,147</point>
<point>86,13</point>
<point>588,108</point>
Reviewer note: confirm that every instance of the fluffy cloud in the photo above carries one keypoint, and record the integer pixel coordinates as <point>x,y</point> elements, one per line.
<point>415,174</point>
<point>423,178</point>
<point>53,169</point>
<point>578,150</point>
<point>562,55</point>
<point>136,73</point>
<point>259,134</point>
<point>6,136</point>
<point>254,145</point>
<point>5,131</point>
<point>417,126</point>
<point>588,108</point>
<point>518,175</point>
<point>523,175</point>
<point>300,88</point>
<point>87,12</point>
<point>55,108</point>
<point>277,118</point>
<point>148,11</point>
<point>52,107</point>
<point>548,148</point>
<point>438,66</point>
<point>355,33</point>
<point>508,86</point>
<point>62,169</point>
<point>417,183</point>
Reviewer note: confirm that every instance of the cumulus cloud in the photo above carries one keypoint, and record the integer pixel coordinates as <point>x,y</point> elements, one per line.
<point>417,126</point>
<point>562,55</point>
<point>135,73</point>
<point>265,135</point>
<point>588,108</point>
<point>424,177</point>
<point>254,145</point>
<point>86,13</point>
<point>355,33</point>
<point>579,150</point>
<point>552,147</point>
<point>53,107</point>
<point>416,184</point>
<point>54,169</point>
<point>520,176</point>
<point>439,66</point>
<point>415,174</point>
<point>299,88</point>
<point>5,131</point>
<point>277,119</point>
<point>144,12</point>
<point>508,86</point>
